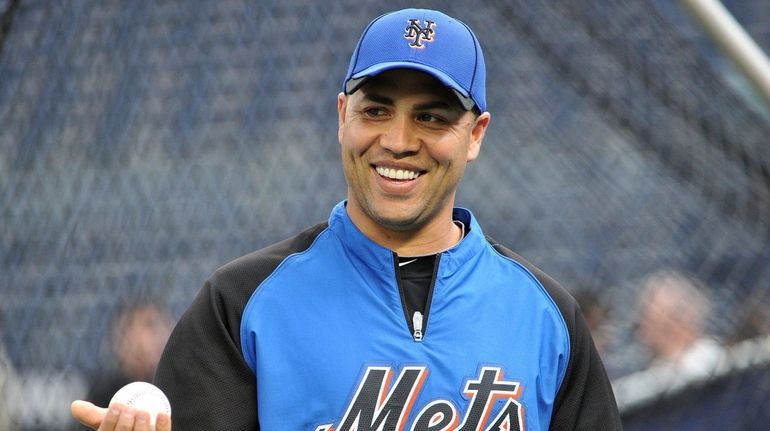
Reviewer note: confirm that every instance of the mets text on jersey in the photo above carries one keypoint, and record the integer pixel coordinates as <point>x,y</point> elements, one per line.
<point>378,406</point>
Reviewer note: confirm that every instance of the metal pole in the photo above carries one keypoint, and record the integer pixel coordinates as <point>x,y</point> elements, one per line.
<point>733,39</point>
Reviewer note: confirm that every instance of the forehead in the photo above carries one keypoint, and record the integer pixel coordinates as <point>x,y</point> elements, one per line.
<point>403,82</point>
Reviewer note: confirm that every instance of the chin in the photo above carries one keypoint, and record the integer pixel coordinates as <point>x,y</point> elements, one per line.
<point>397,221</point>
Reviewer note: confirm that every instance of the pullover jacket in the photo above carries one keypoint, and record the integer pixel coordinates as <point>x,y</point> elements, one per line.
<point>311,334</point>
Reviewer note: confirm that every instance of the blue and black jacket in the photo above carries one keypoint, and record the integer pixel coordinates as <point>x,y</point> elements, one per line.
<point>311,334</point>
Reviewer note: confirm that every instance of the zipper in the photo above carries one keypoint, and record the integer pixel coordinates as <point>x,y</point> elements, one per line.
<point>417,326</point>
<point>417,322</point>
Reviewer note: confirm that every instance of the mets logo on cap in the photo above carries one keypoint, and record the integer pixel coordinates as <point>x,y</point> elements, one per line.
<point>419,34</point>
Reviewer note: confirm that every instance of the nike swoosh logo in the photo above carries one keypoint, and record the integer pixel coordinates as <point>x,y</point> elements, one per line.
<point>400,264</point>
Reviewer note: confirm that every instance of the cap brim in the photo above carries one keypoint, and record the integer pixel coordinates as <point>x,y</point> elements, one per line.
<point>358,79</point>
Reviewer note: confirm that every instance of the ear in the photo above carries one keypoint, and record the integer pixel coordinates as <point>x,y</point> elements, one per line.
<point>341,102</point>
<point>477,135</point>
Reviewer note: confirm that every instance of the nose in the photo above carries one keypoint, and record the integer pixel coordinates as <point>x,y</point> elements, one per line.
<point>400,137</point>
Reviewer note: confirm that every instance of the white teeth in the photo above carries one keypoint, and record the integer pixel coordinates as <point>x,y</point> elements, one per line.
<point>397,174</point>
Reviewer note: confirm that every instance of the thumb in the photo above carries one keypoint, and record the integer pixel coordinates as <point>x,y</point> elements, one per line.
<point>87,413</point>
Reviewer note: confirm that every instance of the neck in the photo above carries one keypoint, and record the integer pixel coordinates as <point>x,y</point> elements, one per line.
<point>434,237</point>
<point>677,346</point>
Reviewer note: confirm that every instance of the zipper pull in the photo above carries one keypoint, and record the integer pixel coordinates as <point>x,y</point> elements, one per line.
<point>417,324</point>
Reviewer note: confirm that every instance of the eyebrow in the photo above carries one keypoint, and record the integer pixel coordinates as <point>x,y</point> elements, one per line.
<point>377,98</point>
<point>438,104</point>
<point>433,104</point>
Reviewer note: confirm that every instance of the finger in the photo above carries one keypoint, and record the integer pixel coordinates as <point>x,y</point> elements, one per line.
<point>142,422</point>
<point>163,422</point>
<point>125,421</point>
<point>112,417</point>
<point>87,413</point>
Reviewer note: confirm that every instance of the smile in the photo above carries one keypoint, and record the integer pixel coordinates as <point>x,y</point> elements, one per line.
<point>397,174</point>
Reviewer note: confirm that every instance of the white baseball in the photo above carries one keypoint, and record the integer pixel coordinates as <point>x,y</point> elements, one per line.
<point>145,397</point>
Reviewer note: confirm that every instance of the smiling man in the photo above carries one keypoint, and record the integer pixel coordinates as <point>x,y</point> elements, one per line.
<point>406,140</point>
<point>397,312</point>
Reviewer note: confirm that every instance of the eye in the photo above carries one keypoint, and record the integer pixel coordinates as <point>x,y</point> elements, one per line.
<point>427,117</point>
<point>374,112</point>
<point>431,119</point>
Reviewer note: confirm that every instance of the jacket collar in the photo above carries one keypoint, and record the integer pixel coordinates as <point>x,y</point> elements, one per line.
<point>371,254</point>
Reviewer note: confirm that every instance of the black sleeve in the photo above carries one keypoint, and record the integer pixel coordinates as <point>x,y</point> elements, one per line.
<point>202,369</point>
<point>585,400</point>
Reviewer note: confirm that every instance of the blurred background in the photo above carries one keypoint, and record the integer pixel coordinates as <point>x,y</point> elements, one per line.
<point>145,143</point>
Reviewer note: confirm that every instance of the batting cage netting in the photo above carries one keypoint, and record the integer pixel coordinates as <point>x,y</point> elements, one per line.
<point>144,144</point>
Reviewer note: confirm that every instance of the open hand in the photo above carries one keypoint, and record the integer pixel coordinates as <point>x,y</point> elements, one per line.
<point>117,418</point>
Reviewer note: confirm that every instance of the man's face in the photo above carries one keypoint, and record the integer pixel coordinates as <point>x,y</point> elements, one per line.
<point>667,321</point>
<point>144,335</point>
<point>405,142</point>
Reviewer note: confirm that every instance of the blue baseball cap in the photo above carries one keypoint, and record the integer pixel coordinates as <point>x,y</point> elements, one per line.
<point>424,40</point>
